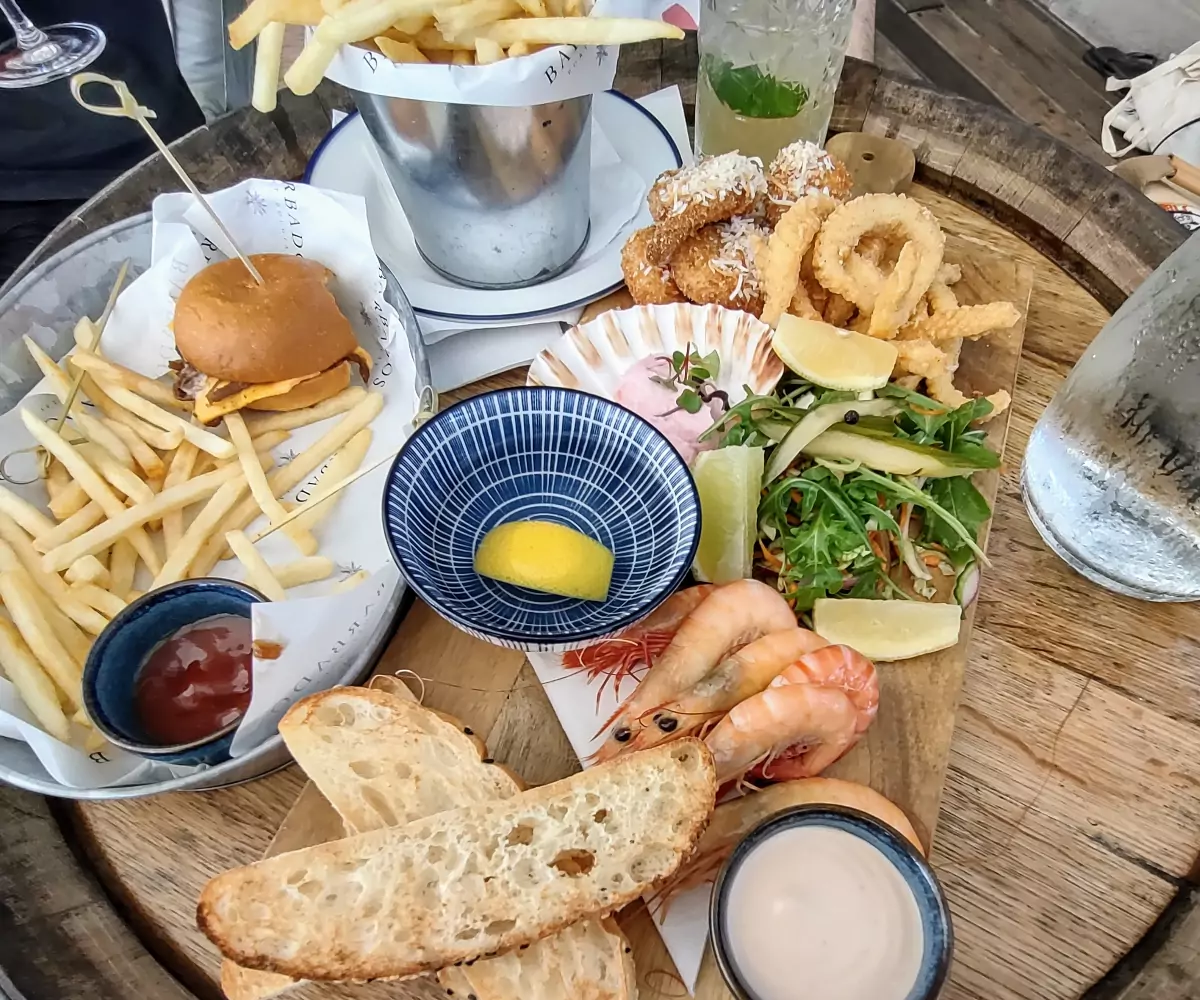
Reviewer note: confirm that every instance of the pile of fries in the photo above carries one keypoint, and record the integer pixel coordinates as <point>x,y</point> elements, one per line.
<point>138,490</point>
<point>460,32</point>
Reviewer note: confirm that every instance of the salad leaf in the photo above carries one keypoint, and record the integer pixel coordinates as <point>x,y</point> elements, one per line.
<point>748,91</point>
<point>958,497</point>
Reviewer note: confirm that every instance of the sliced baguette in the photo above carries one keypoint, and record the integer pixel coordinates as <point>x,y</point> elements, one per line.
<point>402,759</point>
<point>468,883</point>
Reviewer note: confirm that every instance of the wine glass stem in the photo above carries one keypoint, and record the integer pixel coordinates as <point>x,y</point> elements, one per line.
<point>29,36</point>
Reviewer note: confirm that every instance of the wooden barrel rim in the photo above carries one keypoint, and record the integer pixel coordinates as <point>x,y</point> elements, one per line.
<point>60,933</point>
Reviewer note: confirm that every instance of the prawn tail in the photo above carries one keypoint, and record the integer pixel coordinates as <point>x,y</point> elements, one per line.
<point>699,871</point>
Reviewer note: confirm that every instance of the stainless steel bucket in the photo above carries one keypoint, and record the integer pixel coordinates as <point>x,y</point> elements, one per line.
<point>497,197</point>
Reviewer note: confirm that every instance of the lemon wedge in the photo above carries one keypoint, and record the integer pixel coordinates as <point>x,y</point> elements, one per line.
<point>728,481</point>
<point>833,358</point>
<point>552,558</point>
<point>887,630</point>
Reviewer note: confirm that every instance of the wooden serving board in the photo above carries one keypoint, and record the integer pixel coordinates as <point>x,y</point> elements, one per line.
<point>904,753</point>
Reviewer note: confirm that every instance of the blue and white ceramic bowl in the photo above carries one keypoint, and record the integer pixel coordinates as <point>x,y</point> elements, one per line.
<point>540,454</point>
<point>116,658</point>
<point>938,932</point>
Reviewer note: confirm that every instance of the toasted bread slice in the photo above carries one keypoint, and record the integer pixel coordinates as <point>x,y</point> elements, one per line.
<point>471,882</point>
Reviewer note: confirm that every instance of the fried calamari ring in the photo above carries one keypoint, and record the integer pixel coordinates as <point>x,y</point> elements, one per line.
<point>714,189</point>
<point>786,247</point>
<point>803,169</point>
<point>717,265</point>
<point>842,269</point>
<point>649,284</point>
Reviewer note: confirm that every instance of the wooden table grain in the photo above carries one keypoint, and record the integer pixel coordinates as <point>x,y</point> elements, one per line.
<point>1068,832</point>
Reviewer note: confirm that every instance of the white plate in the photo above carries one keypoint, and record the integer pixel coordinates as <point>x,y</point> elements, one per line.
<point>640,141</point>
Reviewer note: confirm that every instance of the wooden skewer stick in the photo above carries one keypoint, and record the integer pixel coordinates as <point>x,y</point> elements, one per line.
<point>129,108</point>
<point>101,323</point>
<point>333,491</point>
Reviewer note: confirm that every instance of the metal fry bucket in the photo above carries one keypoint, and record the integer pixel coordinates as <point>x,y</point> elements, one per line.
<point>497,197</point>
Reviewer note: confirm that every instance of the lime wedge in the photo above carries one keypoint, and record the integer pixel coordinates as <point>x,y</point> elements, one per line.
<point>833,358</point>
<point>887,630</point>
<point>728,481</point>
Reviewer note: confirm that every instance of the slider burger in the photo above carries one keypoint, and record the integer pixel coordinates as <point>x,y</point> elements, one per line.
<point>281,345</point>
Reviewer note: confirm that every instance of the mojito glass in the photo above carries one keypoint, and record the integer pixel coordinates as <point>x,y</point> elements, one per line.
<point>1112,471</point>
<point>768,72</point>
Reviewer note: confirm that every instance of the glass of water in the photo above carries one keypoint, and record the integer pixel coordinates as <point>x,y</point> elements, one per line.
<point>1112,472</point>
<point>768,72</point>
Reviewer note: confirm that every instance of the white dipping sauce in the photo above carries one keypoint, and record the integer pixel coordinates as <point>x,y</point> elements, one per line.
<point>819,913</point>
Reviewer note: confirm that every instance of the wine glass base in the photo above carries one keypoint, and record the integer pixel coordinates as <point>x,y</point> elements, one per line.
<point>68,49</point>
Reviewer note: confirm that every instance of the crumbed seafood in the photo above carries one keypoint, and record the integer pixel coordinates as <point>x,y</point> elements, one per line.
<point>648,283</point>
<point>800,170</point>
<point>785,251</point>
<point>717,265</point>
<point>713,189</point>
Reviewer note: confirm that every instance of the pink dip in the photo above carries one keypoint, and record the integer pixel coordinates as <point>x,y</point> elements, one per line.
<point>657,405</point>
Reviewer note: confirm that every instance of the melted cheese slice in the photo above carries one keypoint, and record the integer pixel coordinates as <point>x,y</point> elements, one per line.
<point>208,412</point>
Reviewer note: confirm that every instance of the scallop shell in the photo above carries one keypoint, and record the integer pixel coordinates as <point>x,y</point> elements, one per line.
<point>594,356</point>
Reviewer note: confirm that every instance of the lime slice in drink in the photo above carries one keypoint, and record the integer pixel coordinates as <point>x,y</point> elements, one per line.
<point>887,630</point>
<point>833,358</point>
<point>728,481</point>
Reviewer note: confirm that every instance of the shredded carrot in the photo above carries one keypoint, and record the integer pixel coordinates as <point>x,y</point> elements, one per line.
<point>770,557</point>
<point>876,547</point>
<point>796,497</point>
<point>931,559</point>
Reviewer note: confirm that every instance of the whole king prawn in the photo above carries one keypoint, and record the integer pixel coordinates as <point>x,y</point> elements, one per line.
<point>728,664</point>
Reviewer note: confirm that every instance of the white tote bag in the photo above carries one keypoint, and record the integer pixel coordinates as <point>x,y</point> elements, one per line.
<point>1161,112</point>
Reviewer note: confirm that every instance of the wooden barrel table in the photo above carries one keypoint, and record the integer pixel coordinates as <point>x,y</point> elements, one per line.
<point>1070,821</point>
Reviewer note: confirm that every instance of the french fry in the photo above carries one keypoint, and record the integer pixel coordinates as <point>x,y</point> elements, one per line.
<point>534,8</point>
<point>554,8</point>
<point>57,479</point>
<point>309,67</point>
<point>116,475</point>
<point>122,567</point>
<point>462,57</point>
<point>310,569</point>
<point>69,634</point>
<point>104,601</point>
<point>110,373</point>
<point>258,573</point>
<point>33,684</point>
<point>87,334</point>
<point>74,526</point>
<point>287,478</point>
<point>183,462</point>
<point>89,569</point>
<point>579,31</point>
<point>430,40</point>
<point>94,486</point>
<point>207,441</point>
<point>179,558</point>
<point>408,26</point>
<point>250,23</point>
<point>144,456</point>
<point>399,51</point>
<point>24,513</point>
<point>259,488</point>
<point>518,49</point>
<point>454,20</point>
<point>151,435</point>
<point>69,500</point>
<point>361,19</point>
<point>19,596</point>
<point>352,581</point>
<point>134,595</point>
<point>18,543</point>
<point>346,461</point>
<point>573,8</point>
<point>267,61</point>
<point>94,429</point>
<point>487,52</point>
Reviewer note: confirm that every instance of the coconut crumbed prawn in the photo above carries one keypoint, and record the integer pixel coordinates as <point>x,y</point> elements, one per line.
<point>802,169</point>
<point>729,618</point>
<point>842,269</point>
<point>737,677</point>
<point>785,250</point>
<point>732,820</point>
<point>649,283</point>
<point>718,265</point>
<point>713,189</point>
<point>640,645</point>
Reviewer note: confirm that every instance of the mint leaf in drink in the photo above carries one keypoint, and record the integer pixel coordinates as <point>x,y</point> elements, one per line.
<point>748,91</point>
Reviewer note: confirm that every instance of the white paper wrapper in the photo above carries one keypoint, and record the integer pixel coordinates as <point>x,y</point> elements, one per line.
<point>554,74</point>
<point>684,930</point>
<point>322,633</point>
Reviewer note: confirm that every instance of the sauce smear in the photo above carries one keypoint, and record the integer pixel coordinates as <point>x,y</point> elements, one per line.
<point>658,406</point>
<point>817,912</point>
<point>196,681</point>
